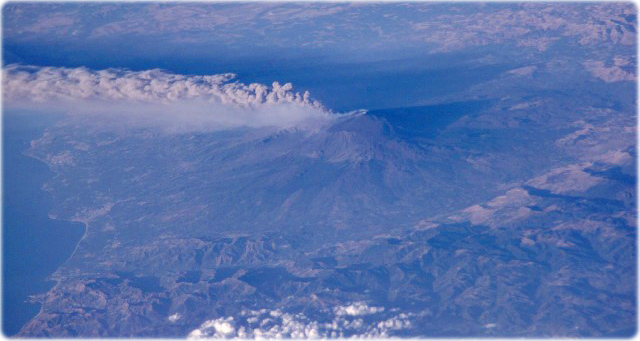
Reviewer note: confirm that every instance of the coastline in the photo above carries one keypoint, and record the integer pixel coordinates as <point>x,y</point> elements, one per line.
<point>35,246</point>
<point>55,277</point>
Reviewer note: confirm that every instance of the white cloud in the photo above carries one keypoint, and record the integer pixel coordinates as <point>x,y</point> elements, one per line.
<point>157,98</point>
<point>358,308</point>
<point>175,317</point>
<point>339,322</point>
<point>217,328</point>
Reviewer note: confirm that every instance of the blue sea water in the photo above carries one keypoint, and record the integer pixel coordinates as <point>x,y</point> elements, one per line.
<point>33,245</point>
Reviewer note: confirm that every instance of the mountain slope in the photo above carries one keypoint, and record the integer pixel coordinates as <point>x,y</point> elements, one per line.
<point>440,230</point>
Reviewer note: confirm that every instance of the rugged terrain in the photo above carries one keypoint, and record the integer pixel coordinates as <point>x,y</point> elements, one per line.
<point>481,236</point>
<point>489,190</point>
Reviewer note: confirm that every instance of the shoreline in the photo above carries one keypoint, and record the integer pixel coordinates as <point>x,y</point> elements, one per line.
<point>85,224</point>
<point>19,133</point>
<point>53,277</point>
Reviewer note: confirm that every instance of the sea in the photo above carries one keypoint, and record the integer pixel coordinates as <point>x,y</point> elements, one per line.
<point>33,245</point>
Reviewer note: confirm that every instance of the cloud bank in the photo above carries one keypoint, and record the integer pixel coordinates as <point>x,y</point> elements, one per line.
<point>159,98</point>
<point>357,320</point>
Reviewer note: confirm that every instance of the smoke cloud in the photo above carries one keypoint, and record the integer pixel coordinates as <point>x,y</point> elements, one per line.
<point>156,98</point>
